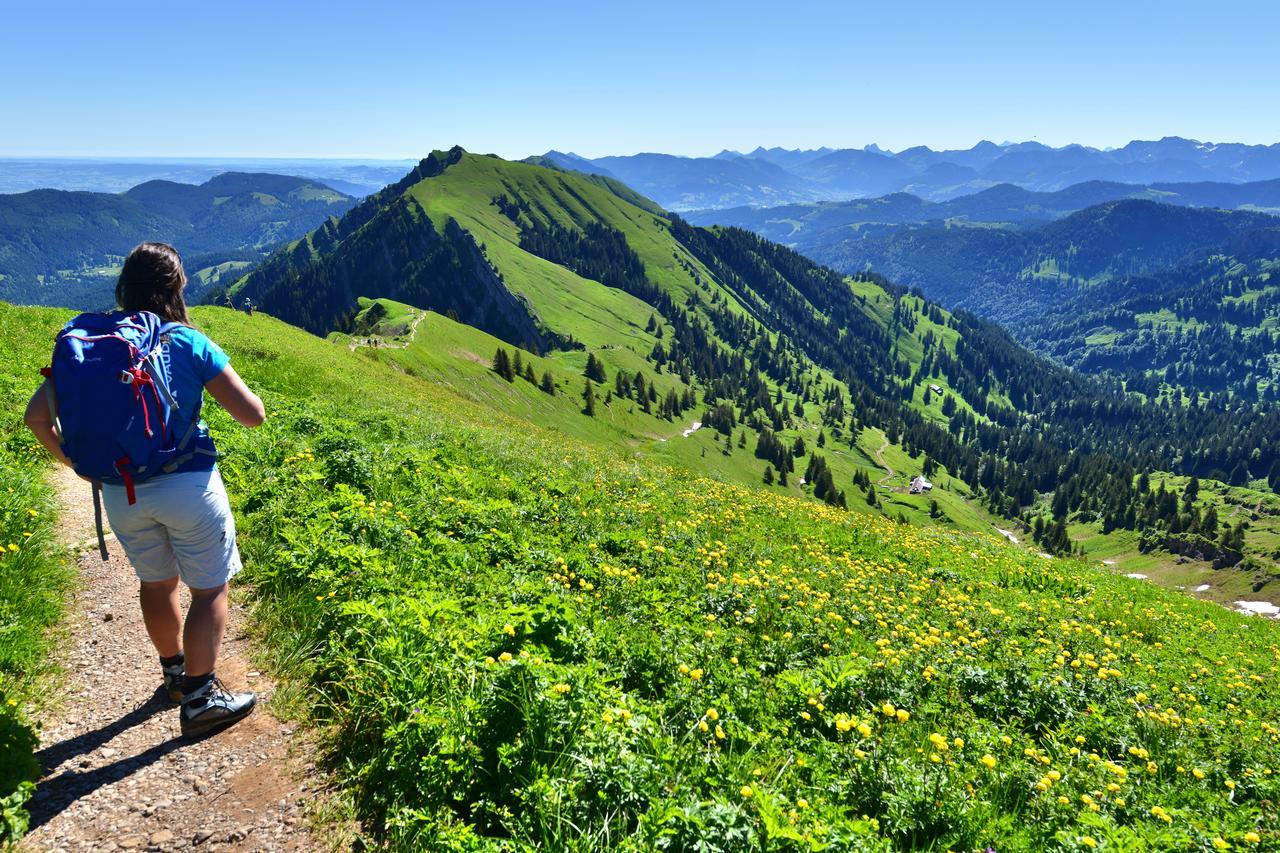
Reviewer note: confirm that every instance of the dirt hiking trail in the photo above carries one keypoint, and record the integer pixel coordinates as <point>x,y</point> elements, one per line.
<point>879,455</point>
<point>117,774</point>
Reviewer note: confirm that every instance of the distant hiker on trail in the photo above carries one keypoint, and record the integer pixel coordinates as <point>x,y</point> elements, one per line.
<point>230,304</point>
<point>248,306</point>
<point>121,405</point>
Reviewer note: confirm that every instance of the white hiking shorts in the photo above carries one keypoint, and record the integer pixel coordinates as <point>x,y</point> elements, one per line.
<point>180,525</point>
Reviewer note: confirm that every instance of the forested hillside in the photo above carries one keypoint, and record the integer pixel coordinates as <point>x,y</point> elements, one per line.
<point>1209,325</point>
<point>65,248</point>
<point>764,347</point>
<point>1164,297</point>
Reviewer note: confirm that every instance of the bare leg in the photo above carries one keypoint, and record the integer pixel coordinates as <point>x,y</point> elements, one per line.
<point>162,616</point>
<point>206,622</point>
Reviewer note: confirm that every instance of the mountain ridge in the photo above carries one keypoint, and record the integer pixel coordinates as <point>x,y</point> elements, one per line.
<point>750,335</point>
<point>826,174</point>
<point>64,247</point>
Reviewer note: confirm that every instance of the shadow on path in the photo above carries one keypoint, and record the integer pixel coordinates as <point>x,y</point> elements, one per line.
<point>55,793</point>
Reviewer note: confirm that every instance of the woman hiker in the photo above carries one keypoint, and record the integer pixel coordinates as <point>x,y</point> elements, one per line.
<point>174,526</point>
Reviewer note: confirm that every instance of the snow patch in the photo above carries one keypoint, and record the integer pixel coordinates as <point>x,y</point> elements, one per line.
<point>697,425</point>
<point>1138,576</point>
<point>1204,587</point>
<point>1108,562</point>
<point>1259,608</point>
<point>1007,534</point>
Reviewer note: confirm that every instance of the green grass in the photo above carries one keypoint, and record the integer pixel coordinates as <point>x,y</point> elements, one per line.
<point>459,358</point>
<point>33,575</point>
<point>1102,338</point>
<point>520,627</point>
<point>517,638</point>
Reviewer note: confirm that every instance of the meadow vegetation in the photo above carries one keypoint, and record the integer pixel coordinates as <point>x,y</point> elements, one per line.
<point>33,575</point>
<point>512,637</point>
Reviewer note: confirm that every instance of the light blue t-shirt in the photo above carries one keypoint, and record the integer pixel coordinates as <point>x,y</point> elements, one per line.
<point>190,360</point>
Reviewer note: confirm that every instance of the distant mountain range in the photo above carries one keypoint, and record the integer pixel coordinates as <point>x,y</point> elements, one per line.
<point>113,175</point>
<point>64,248</point>
<point>776,176</point>
<point>813,226</point>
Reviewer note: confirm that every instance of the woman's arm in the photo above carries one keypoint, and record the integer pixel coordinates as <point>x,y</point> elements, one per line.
<point>39,419</point>
<point>234,396</point>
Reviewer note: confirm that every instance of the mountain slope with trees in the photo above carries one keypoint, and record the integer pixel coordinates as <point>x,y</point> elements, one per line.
<point>1150,292</point>
<point>754,340</point>
<point>64,248</point>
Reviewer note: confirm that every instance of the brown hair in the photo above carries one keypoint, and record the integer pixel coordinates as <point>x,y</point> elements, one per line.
<point>152,280</point>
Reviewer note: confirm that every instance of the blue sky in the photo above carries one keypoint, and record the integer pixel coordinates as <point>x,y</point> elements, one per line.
<point>396,79</point>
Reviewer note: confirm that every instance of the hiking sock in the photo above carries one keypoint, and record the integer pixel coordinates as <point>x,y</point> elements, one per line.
<point>177,660</point>
<point>192,683</point>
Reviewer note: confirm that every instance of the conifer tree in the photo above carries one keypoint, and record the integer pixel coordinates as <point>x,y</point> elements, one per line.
<point>594,369</point>
<point>502,365</point>
<point>548,385</point>
<point>589,400</point>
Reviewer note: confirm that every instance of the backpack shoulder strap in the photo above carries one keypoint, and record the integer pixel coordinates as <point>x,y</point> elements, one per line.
<point>166,328</point>
<point>163,384</point>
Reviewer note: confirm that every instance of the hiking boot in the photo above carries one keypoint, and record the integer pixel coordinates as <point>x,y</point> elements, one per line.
<point>213,707</point>
<point>172,677</point>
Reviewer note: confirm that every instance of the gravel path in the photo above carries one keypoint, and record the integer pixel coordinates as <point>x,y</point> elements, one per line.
<point>117,774</point>
<point>888,472</point>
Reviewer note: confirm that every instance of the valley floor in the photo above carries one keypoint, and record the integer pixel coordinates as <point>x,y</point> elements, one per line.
<point>117,774</point>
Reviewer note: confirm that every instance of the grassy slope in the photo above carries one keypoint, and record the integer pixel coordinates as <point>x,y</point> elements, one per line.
<point>612,324</point>
<point>401,541</point>
<point>33,575</point>
<point>460,357</point>
<point>480,511</point>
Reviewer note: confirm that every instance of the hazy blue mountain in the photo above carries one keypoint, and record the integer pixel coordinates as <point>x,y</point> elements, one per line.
<point>852,172</point>
<point>351,177</point>
<point>785,157</point>
<point>685,183</point>
<point>815,227</point>
<point>823,174</point>
<point>60,247</point>
<point>572,161</point>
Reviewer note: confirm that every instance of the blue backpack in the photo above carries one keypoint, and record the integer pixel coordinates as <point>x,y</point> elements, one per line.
<point>112,405</point>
